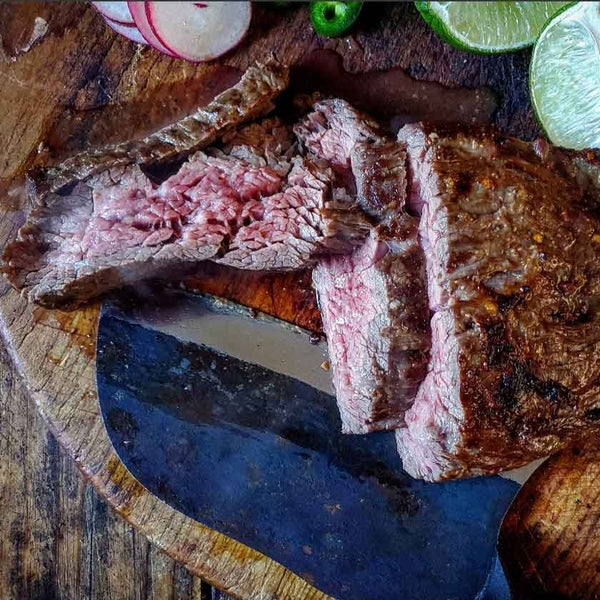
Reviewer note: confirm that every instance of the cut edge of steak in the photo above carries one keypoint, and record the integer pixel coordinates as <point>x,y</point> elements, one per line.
<point>54,285</point>
<point>119,227</point>
<point>252,97</point>
<point>513,276</point>
<point>419,446</point>
<point>377,330</point>
<point>379,170</point>
<point>373,302</point>
<point>332,130</point>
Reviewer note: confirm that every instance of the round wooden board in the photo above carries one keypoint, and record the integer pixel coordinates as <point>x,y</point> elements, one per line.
<point>51,92</point>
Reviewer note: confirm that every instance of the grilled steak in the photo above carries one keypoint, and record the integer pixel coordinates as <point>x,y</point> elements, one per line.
<point>332,130</point>
<point>512,247</point>
<point>458,271</point>
<point>373,302</point>
<point>119,227</point>
<point>251,98</point>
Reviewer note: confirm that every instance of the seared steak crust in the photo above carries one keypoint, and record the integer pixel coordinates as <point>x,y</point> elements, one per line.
<point>512,244</point>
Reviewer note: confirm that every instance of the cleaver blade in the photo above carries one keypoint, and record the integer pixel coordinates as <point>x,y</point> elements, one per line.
<point>233,329</point>
<point>227,415</point>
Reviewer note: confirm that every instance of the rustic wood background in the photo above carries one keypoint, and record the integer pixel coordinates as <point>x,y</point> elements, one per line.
<point>58,539</point>
<point>80,84</point>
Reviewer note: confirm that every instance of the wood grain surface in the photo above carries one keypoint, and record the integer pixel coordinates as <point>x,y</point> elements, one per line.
<point>550,542</point>
<point>80,84</point>
<point>58,539</point>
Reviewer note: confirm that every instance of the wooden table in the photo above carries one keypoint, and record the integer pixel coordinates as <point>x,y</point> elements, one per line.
<point>58,539</point>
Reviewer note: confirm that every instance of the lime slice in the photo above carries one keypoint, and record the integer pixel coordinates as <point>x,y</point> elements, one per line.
<point>564,77</point>
<point>488,27</point>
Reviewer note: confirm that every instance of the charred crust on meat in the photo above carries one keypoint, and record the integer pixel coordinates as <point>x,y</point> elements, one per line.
<point>499,350</point>
<point>506,303</point>
<point>515,273</point>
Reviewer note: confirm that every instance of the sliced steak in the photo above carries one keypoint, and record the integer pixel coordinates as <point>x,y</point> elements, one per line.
<point>377,331</point>
<point>268,143</point>
<point>373,302</point>
<point>331,131</point>
<point>251,98</point>
<point>379,170</point>
<point>291,229</point>
<point>512,246</point>
<point>119,227</point>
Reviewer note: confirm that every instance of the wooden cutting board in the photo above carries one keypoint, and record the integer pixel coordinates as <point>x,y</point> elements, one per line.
<point>78,84</point>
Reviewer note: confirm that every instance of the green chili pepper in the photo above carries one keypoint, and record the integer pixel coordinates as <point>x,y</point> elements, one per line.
<point>332,19</point>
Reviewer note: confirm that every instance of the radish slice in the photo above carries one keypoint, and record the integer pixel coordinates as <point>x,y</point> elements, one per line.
<point>115,11</point>
<point>138,12</point>
<point>129,31</point>
<point>199,31</point>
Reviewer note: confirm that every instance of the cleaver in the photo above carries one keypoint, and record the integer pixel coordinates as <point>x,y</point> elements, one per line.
<point>228,415</point>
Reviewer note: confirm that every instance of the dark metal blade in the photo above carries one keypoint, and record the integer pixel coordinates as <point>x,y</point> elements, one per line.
<point>231,329</point>
<point>258,455</point>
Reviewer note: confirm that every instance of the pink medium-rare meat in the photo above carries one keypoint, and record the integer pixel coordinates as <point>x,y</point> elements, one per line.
<point>332,130</point>
<point>119,227</point>
<point>377,334</point>
<point>373,302</point>
<point>252,202</point>
<point>206,201</point>
<point>292,228</point>
<point>350,306</point>
<point>512,247</point>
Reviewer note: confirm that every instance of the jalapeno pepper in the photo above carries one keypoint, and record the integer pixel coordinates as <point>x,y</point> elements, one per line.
<point>332,19</point>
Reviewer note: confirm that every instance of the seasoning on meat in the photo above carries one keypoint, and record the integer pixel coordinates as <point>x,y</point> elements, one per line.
<point>513,282</point>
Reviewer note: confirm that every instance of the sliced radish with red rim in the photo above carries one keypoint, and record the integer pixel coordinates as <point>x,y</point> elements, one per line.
<point>198,31</point>
<point>115,11</point>
<point>129,31</point>
<point>139,14</point>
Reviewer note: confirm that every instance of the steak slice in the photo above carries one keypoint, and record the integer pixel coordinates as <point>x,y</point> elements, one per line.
<point>373,302</point>
<point>250,99</point>
<point>377,331</point>
<point>119,227</point>
<point>512,246</point>
<point>251,203</point>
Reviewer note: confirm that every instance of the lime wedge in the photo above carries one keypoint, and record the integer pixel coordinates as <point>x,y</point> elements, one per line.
<point>564,77</point>
<point>488,27</point>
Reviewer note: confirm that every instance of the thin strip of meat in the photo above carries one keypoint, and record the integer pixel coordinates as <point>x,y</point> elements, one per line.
<point>251,98</point>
